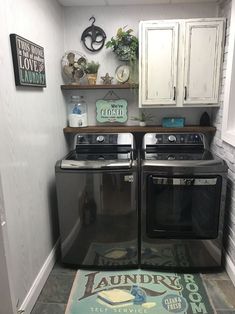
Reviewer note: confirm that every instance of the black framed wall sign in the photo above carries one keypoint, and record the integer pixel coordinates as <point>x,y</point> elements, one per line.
<point>29,62</point>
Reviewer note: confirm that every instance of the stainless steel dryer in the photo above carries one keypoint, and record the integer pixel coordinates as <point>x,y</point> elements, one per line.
<point>97,186</point>
<point>182,208</point>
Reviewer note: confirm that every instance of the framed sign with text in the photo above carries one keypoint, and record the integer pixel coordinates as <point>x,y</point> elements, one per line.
<point>111,110</point>
<point>28,61</point>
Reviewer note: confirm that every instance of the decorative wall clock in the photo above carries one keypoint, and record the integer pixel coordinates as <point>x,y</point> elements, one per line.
<point>122,73</point>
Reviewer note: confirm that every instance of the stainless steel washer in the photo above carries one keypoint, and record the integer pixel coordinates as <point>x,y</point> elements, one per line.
<point>182,208</point>
<point>97,186</point>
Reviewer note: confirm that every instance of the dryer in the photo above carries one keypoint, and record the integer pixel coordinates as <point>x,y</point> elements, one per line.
<point>183,188</point>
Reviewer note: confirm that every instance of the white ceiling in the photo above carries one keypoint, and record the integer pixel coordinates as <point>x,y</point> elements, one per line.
<point>125,2</point>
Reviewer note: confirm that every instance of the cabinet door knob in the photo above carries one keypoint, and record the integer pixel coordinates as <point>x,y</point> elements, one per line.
<point>174,94</point>
<point>185,92</point>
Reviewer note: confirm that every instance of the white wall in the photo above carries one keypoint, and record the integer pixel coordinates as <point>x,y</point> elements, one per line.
<point>110,18</point>
<point>31,137</point>
<point>227,152</point>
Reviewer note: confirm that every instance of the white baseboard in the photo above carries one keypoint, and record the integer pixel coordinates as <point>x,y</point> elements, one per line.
<point>230,268</point>
<point>31,298</point>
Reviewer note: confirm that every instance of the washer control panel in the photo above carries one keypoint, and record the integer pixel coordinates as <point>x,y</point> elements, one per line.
<point>114,139</point>
<point>93,139</point>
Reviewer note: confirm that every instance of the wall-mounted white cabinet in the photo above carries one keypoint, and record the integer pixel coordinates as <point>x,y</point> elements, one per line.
<point>180,62</point>
<point>159,55</point>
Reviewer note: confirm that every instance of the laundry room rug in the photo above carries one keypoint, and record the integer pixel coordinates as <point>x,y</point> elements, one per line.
<point>137,291</point>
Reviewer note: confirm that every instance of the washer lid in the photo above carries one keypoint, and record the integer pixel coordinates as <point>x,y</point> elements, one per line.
<point>98,164</point>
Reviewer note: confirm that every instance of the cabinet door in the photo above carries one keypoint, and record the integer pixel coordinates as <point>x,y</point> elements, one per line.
<point>203,54</point>
<point>158,63</point>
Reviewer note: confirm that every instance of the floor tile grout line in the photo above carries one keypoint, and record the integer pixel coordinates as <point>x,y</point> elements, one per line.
<point>41,302</point>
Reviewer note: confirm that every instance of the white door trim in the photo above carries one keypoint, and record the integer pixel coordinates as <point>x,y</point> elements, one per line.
<point>7,298</point>
<point>228,131</point>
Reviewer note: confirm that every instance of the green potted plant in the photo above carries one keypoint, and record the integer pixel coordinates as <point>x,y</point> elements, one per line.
<point>91,69</point>
<point>143,118</point>
<point>125,45</point>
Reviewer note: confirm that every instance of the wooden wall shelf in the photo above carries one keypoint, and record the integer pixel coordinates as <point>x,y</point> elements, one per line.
<point>139,129</point>
<point>100,86</point>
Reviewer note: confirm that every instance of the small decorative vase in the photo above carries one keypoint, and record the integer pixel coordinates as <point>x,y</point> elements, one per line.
<point>72,80</point>
<point>205,119</point>
<point>142,123</point>
<point>92,78</point>
<point>77,75</point>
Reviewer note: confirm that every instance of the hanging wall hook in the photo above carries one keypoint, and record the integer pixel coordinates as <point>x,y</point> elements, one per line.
<point>93,37</point>
<point>92,18</point>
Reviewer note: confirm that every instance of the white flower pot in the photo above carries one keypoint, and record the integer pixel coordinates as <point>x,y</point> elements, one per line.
<point>142,123</point>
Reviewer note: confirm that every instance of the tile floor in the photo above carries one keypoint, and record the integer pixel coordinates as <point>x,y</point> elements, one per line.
<point>55,293</point>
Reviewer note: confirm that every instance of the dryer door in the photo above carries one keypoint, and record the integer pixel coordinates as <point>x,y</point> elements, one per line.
<point>183,207</point>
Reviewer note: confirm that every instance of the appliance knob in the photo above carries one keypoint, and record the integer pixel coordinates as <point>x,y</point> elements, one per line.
<point>172,138</point>
<point>170,157</point>
<point>189,181</point>
<point>80,138</point>
<point>100,139</point>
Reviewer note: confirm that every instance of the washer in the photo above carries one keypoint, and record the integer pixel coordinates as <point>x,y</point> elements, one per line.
<point>97,189</point>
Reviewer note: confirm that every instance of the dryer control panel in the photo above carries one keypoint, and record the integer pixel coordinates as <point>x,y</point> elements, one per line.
<point>170,139</point>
